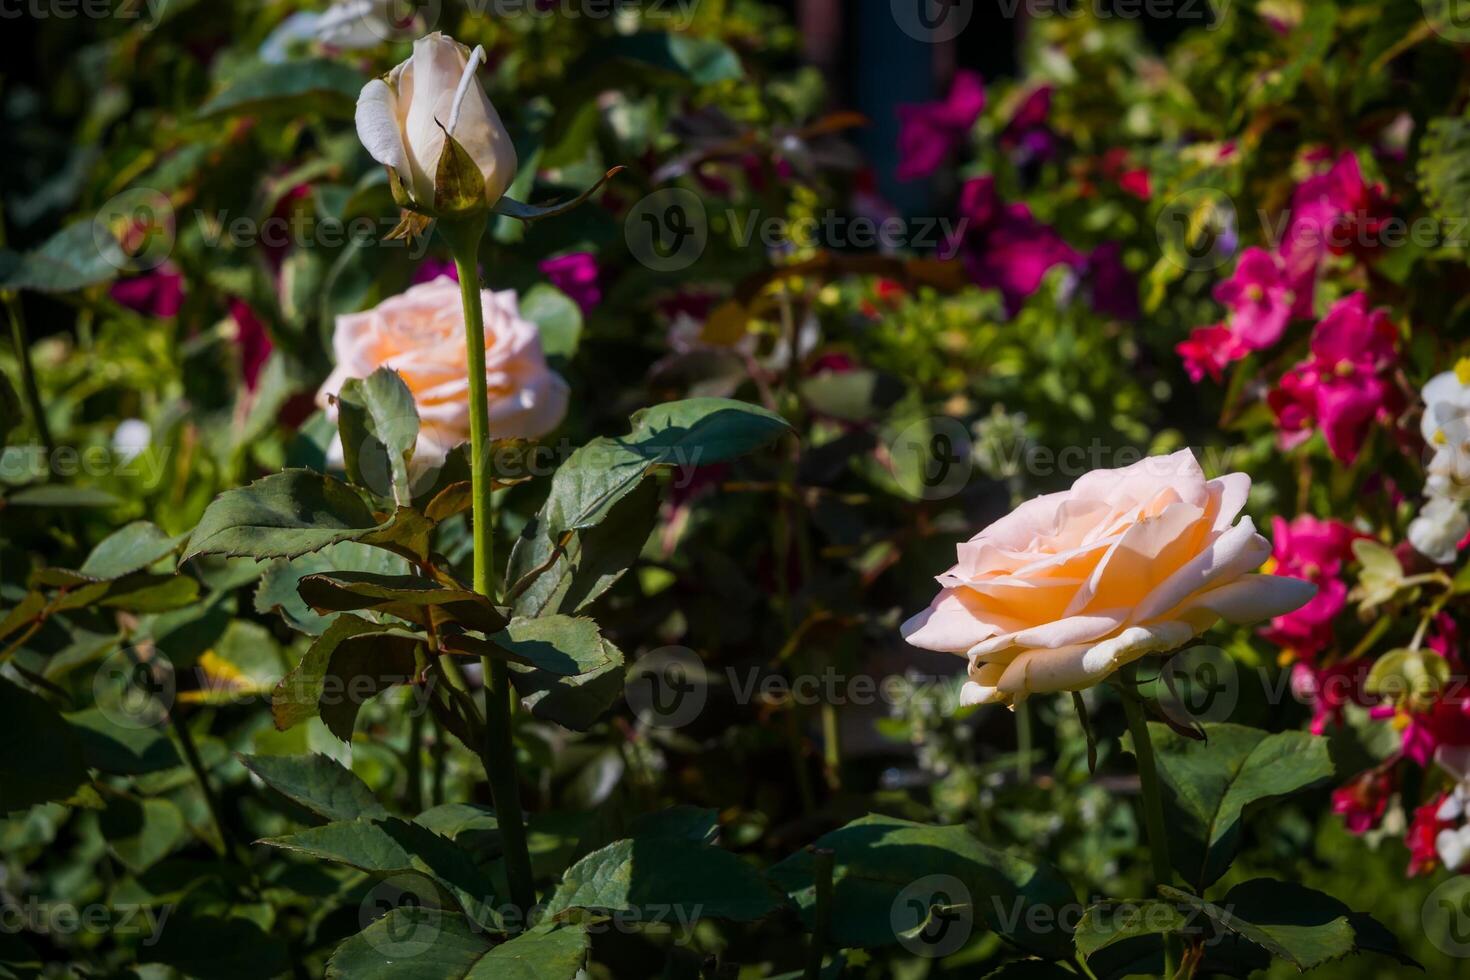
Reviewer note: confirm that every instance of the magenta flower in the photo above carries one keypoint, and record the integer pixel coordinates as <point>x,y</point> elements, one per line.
<point>253,340</point>
<point>1315,551</point>
<point>1330,690</point>
<point>1344,385</point>
<point>430,269</point>
<point>157,293</point>
<point>930,132</point>
<point>1364,800</point>
<point>1114,290</point>
<point>576,275</point>
<point>1004,247</point>
<point>1333,212</point>
<point>1027,136</point>
<point>1258,298</point>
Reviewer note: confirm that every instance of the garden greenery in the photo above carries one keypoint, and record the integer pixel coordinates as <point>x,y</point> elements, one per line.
<point>467,482</point>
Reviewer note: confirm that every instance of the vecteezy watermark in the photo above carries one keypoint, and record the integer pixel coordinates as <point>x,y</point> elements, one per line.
<point>834,230</point>
<point>1202,12</point>
<point>410,920</point>
<point>1197,230</point>
<point>302,228</point>
<point>65,919</point>
<point>933,916</point>
<point>932,21</point>
<point>84,9</point>
<point>678,14</point>
<point>1445,916</point>
<point>19,464</point>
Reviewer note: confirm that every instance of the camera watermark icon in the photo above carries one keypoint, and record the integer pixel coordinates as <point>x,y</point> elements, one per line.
<point>668,230</point>
<point>1197,230</point>
<point>135,688</point>
<point>667,687</point>
<point>933,916</point>
<point>1199,685</point>
<point>405,936</point>
<point>1445,916</point>
<point>932,21</point>
<point>135,231</point>
<point>1450,19</point>
<point>931,459</point>
<point>390,20</point>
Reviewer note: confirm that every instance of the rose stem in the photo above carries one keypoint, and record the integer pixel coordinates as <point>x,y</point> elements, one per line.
<point>500,761</point>
<point>822,861</point>
<point>18,336</point>
<point>1153,800</point>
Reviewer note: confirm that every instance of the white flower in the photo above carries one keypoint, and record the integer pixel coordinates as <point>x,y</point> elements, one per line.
<point>131,438</point>
<point>403,121</point>
<point>1446,428</point>
<point>1438,530</point>
<point>347,25</point>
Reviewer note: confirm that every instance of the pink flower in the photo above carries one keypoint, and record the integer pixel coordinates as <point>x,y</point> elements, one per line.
<point>576,275</point>
<point>157,293</point>
<point>1364,800</point>
<point>1027,136</point>
<point>1344,385</point>
<point>1071,586</point>
<point>1331,212</point>
<point>1258,298</point>
<point>1209,350</point>
<point>421,335</point>
<point>1330,690</point>
<point>1113,288</point>
<point>1447,722</point>
<point>430,269</point>
<point>929,132</point>
<point>1314,551</point>
<point>1005,248</point>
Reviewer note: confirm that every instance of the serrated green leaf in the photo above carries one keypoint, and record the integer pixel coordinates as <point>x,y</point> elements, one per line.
<point>379,425</point>
<point>41,756</point>
<point>316,85</point>
<point>1209,784</point>
<point>394,847</point>
<point>637,875</point>
<point>296,512</point>
<point>1292,922</point>
<point>877,858</point>
<point>349,663</point>
<point>570,578</point>
<point>321,784</point>
<point>405,596</point>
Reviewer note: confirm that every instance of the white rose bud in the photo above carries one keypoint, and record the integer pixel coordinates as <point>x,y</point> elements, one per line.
<point>402,121</point>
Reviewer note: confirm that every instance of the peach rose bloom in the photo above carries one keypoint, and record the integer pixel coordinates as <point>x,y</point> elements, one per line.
<point>1072,586</point>
<point>420,334</point>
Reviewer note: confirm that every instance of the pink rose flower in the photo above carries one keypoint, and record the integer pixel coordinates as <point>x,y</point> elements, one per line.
<point>420,334</point>
<point>1072,586</point>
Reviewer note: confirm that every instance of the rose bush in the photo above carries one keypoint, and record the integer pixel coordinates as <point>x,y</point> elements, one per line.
<point>605,672</point>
